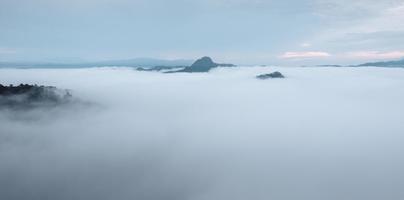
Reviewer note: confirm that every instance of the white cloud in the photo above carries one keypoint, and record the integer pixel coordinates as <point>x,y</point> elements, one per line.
<point>305,44</point>
<point>305,54</point>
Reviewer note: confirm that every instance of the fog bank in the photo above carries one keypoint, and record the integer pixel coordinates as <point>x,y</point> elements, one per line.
<point>320,133</point>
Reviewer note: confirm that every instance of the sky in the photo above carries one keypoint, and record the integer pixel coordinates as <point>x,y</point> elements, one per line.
<point>288,32</point>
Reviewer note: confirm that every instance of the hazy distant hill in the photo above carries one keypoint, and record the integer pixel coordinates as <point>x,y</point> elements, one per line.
<point>137,62</point>
<point>397,63</point>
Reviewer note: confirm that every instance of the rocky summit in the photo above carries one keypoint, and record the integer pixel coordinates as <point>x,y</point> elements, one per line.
<point>204,64</point>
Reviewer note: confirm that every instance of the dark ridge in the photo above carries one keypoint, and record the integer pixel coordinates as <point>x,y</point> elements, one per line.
<point>26,96</point>
<point>158,68</point>
<point>226,65</point>
<point>271,75</point>
<point>329,66</point>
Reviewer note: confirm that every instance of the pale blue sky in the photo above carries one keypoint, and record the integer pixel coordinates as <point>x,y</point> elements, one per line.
<point>238,31</point>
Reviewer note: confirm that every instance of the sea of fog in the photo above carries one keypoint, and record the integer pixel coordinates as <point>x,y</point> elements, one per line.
<point>318,134</point>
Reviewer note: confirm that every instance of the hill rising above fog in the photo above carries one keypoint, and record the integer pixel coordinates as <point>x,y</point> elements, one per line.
<point>26,96</point>
<point>203,64</point>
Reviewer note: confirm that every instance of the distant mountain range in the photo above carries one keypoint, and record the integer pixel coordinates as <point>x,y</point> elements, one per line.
<point>397,63</point>
<point>137,62</point>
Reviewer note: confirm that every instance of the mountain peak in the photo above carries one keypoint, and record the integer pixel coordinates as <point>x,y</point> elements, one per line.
<point>203,64</point>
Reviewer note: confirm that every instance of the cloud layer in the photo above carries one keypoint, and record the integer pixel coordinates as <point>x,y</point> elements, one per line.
<point>321,133</point>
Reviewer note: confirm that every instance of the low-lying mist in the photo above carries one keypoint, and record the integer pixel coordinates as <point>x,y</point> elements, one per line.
<point>320,133</point>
